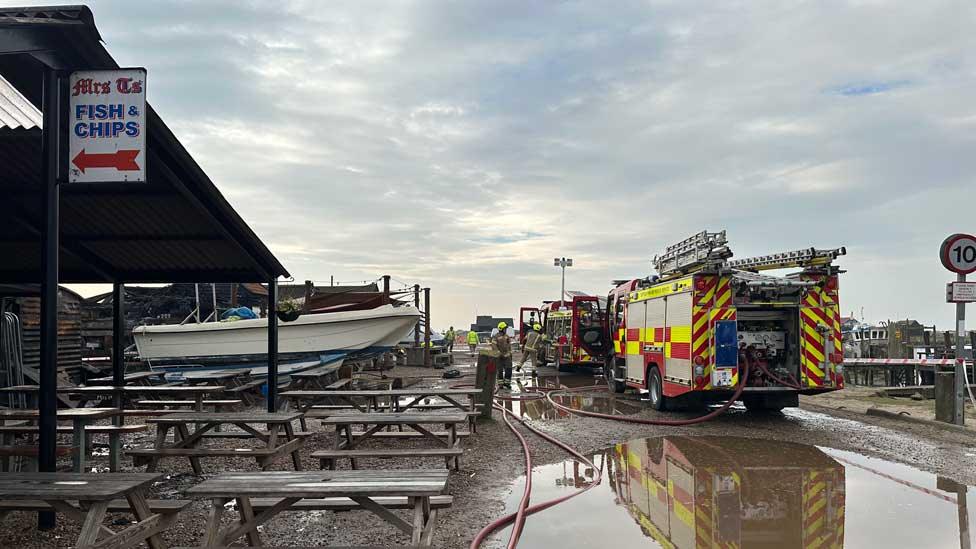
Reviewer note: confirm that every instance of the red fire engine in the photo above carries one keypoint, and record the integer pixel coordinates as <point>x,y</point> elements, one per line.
<point>574,330</point>
<point>684,335</point>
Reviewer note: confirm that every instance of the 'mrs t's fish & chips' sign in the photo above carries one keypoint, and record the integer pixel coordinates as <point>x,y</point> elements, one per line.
<point>107,126</point>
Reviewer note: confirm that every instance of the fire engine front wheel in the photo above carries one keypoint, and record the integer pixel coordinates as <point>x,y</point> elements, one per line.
<point>655,389</point>
<point>610,372</point>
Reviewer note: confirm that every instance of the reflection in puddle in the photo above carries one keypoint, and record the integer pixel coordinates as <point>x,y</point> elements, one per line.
<point>591,402</point>
<point>697,492</point>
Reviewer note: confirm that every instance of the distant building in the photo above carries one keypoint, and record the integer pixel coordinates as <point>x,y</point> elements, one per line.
<point>485,324</point>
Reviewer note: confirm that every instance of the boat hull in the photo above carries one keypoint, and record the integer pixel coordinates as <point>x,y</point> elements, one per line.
<point>310,336</point>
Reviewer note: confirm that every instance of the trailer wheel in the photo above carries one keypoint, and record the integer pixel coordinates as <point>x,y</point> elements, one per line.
<point>655,389</point>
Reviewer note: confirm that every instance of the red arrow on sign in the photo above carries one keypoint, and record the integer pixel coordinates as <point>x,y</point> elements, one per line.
<point>123,160</point>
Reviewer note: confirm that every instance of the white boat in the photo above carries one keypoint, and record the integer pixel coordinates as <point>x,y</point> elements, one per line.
<point>349,333</point>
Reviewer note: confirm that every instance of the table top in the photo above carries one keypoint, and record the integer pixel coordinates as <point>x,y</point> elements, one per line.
<point>319,371</point>
<point>135,376</point>
<point>71,486</point>
<point>380,393</point>
<point>227,417</point>
<point>63,413</point>
<point>322,484</point>
<point>214,375</point>
<point>402,418</point>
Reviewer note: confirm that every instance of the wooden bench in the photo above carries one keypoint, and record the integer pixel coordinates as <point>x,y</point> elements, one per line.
<point>411,434</point>
<point>114,433</point>
<point>144,456</point>
<point>346,504</point>
<point>190,403</point>
<point>161,506</point>
<point>327,458</point>
<point>29,451</point>
<point>146,412</point>
<point>245,435</point>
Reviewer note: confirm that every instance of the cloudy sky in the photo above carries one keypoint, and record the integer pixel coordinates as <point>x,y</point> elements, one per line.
<point>463,145</point>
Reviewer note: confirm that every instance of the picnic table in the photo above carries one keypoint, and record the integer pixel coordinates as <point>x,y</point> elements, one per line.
<point>279,438</point>
<point>86,498</point>
<point>374,491</point>
<point>135,378</point>
<point>314,378</point>
<point>347,440</point>
<point>91,392</point>
<point>372,397</point>
<point>79,417</point>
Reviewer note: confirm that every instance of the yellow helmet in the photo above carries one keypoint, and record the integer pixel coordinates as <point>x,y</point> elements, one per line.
<point>537,327</point>
<point>502,325</point>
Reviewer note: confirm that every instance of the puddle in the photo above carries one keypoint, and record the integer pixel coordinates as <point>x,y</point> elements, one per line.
<point>697,492</point>
<point>603,403</point>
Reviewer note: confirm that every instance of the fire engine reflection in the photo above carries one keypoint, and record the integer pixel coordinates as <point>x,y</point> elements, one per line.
<point>730,492</point>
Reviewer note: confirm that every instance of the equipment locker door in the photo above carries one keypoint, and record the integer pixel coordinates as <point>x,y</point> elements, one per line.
<point>632,348</point>
<point>677,350</point>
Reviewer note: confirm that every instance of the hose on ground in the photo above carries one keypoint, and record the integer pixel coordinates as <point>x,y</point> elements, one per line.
<point>508,519</point>
<point>527,492</point>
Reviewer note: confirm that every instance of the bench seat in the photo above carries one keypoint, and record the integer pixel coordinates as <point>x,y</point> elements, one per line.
<point>28,450</point>
<point>161,506</point>
<point>327,457</point>
<point>227,402</point>
<point>346,504</point>
<point>62,429</point>
<point>338,384</point>
<point>244,435</point>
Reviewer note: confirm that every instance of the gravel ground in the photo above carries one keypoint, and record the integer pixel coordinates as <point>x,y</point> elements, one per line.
<point>493,460</point>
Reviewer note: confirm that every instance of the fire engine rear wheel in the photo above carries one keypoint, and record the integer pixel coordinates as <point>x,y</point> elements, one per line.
<point>611,373</point>
<point>655,389</point>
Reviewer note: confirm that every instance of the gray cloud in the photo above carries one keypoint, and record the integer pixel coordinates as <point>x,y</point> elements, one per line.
<point>466,144</point>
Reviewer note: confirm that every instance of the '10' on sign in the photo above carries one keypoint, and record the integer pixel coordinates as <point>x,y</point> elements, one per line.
<point>958,253</point>
<point>107,126</point>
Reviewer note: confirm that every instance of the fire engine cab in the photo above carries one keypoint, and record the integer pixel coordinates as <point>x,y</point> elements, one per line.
<point>686,334</point>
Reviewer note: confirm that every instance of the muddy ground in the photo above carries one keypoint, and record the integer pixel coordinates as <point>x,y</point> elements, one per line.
<point>493,460</point>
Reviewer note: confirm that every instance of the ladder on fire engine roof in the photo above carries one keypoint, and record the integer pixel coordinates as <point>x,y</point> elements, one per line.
<point>707,250</point>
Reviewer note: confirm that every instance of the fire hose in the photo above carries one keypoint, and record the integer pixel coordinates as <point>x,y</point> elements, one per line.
<point>524,510</point>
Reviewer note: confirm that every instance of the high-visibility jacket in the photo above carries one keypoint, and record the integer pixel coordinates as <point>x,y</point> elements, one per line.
<point>449,335</point>
<point>532,340</point>
<point>472,337</point>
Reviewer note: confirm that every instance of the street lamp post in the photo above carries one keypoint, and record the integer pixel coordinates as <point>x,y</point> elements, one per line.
<point>562,262</point>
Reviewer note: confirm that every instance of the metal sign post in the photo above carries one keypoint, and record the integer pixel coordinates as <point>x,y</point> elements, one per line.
<point>107,126</point>
<point>958,254</point>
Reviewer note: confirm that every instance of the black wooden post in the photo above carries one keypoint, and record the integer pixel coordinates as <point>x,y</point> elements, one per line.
<point>118,338</point>
<point>47,395</point>
<point>273,345</point>
<point>416,327</point>
<point>427,327</point>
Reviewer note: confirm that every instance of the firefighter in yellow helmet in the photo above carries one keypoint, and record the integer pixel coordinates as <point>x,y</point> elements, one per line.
<point>472,341</point>
<point>501,345</point>
<point>530,349</point>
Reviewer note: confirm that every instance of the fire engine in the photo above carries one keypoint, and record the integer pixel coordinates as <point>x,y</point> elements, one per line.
<point>698,493</point>
<point>685,334</point>
<point>574,330</point>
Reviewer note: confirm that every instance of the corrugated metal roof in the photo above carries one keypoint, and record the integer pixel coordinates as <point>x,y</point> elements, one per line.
<point>175,228</point>
<point>15,110</point>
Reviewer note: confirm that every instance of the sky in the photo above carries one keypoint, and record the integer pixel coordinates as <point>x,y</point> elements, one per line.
<point>463,145</point>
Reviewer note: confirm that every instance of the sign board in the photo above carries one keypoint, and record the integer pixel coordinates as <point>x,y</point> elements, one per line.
<point>961,292</point>
<point>107,126</point>
<point>958,253</point>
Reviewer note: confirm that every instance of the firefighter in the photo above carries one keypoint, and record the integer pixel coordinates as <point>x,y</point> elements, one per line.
<point>472,341</point>
<point>450,335</point>
<point>501,346</point>
<point>530,350</point>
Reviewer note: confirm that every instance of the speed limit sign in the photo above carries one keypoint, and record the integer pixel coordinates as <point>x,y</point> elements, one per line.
<point>959,253</point>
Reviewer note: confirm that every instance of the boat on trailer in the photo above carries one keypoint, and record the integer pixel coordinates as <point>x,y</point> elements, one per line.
<point>308,341</point>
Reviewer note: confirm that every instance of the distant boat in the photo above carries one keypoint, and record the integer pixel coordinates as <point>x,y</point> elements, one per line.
<point>244,343</point>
